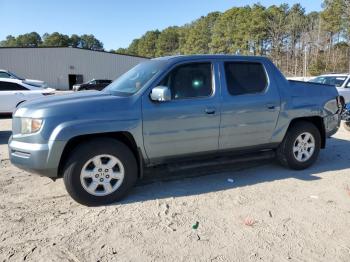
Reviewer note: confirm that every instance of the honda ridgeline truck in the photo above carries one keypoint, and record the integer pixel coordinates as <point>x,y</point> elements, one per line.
<point>168,109</point>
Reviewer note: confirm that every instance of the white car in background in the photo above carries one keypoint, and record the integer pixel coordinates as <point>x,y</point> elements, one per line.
<point>341,81</point>
<point>13,92</point>
<point>8,74</point>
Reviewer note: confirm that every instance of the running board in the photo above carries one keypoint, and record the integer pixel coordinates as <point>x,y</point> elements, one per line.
<point>203,167</point>
<point>221,161</point>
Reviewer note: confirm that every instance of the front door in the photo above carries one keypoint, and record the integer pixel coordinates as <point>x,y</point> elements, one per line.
<point>250,105</point>
<point>189,123</point>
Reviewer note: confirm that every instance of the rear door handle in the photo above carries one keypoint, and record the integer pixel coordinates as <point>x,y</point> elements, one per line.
<point>210,111</point>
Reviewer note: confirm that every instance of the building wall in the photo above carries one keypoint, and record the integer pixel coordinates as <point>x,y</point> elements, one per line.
<point>53,65</point>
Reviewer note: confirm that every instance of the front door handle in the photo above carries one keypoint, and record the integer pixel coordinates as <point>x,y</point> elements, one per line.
<point>210,111</point>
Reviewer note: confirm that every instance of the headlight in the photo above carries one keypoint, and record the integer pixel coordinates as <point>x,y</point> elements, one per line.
<point>30,125</point>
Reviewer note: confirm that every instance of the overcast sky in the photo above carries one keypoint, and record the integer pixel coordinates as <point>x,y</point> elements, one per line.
<point>116,23</point>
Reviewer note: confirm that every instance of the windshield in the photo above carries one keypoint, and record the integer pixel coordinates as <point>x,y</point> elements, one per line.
<point>136,78</point>
<point>15,76</point>
<point>329,80</point>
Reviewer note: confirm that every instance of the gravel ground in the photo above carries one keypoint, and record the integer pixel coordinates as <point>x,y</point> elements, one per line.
<point>265,213</point>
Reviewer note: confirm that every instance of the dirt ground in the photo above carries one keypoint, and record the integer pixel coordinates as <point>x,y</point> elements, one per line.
<point>267,213</point>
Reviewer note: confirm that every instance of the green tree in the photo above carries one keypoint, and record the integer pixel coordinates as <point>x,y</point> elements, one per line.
<point>147,45</point>
<point>230,32</point>
<point>91,42</point>
<point>133,48</point>
<point>123,51</point>
<point>346,18</point>
<point>257,30</point>
<point>332,16</point>
<point>55,39</point>
<point>332,21</point>
<point>296,25</point>
<point>32,39</point>
<point>277,30</point>
<point>168,42</point>
<point>199,34</point>
<point>10,41</point>
<point>75,40</point>
<point>317,67</point>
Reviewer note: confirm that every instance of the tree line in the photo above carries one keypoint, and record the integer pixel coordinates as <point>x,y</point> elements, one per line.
<point>56,39</point>
<point>299,43</point>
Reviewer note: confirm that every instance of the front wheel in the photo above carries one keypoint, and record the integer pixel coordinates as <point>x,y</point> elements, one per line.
<point>300,147</point>
<point>100,172</point>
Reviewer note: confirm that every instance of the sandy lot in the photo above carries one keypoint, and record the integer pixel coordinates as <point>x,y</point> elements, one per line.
<point>268,213</point>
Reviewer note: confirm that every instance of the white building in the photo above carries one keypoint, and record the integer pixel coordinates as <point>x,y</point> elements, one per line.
<point>62,67</point>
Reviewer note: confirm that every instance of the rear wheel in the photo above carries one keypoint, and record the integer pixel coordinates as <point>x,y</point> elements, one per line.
<point>300,147</point>
<point>100,172</point>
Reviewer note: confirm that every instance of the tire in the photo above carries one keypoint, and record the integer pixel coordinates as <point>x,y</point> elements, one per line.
<point>90,185</point>
<point>347,126</point>
<point>292,154</point>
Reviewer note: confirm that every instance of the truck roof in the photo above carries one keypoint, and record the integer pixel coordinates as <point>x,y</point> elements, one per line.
<point>209,56</point>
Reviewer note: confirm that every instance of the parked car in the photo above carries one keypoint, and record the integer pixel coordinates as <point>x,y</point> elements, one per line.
<point>171,109</point>
<point>94,84</point>
<point>36,83</point>
<point>346,117</point>
<point>341,81</point>
<point>13,92</point>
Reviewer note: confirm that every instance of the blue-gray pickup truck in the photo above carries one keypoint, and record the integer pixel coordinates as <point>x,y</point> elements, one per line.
<point>167,109</point>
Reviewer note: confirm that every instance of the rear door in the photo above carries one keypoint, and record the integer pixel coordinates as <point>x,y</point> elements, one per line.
<point>250,104</point>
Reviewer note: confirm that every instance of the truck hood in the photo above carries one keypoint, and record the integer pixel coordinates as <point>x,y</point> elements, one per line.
<point>82,105</point>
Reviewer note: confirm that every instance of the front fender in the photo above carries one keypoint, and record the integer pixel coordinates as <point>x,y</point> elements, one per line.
<point>69,130</point>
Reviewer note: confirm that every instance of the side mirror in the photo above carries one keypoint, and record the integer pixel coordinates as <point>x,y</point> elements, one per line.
<point>161,94</point>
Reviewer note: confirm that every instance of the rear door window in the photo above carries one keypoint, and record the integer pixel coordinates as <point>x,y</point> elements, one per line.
<point>245,78</point>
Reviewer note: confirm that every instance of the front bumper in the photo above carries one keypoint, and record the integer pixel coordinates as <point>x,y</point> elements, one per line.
<point>42,159</point>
